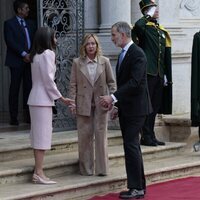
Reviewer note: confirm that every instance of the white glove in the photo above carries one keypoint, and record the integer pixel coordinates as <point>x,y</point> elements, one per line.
<point>151,11</point>
<point>165,81</point>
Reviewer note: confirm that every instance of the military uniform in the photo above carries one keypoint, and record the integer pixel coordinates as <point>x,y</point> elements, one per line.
<point>156,43</point>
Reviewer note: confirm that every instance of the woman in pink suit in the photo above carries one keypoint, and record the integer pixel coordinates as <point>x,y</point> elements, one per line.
<point>41,98</point>
<point>91,77</point>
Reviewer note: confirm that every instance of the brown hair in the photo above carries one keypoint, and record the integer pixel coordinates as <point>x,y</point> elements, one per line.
<point>43,39</point>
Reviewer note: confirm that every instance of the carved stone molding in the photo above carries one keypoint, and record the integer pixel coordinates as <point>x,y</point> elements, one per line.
<point>192,6</point>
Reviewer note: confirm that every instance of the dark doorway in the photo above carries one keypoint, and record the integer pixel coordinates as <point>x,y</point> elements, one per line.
<point>66,17</point>
<point>6,13</point>
<point>33,9</point>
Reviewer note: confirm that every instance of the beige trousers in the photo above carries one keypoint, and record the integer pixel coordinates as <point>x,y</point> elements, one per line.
<point>92,141</point>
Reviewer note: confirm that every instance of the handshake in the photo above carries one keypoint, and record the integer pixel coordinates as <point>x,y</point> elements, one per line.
<point>70,103</point>
<point>107,102</point>
<point>67,101</point>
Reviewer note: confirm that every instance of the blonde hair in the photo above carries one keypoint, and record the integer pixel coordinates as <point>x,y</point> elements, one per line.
<point>83,53</point>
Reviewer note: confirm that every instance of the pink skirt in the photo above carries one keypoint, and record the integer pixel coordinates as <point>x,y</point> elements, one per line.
<point>41,127</point>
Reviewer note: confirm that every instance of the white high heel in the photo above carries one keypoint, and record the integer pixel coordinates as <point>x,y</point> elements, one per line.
<point>39,180</point>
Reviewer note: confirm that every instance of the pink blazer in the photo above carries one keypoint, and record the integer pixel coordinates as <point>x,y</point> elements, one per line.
<point>44,90</point>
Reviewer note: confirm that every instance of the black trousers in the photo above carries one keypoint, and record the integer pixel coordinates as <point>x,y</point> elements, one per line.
<point>19,75</point>
<point>131,127</point>
<point>155,86</point>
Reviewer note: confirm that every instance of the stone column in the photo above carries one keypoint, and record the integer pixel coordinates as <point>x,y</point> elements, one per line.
<point>113,11</point>
<point>91,15</point>
<point>135,11</point>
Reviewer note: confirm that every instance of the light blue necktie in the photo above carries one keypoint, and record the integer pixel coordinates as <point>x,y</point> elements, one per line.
<point>28,41</point>
<point>121,56</point>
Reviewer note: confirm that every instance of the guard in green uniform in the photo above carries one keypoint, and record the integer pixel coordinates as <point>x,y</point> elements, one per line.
<point>156,43</point>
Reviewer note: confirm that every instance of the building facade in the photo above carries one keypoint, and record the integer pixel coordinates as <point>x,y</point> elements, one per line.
<point>69,17</point>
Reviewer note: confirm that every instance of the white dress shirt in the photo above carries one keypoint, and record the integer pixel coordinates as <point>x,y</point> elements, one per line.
<point>92,68</point>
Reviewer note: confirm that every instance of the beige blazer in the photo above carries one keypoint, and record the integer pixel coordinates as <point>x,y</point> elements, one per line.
<point>83,91</point>
<point>44,90</point>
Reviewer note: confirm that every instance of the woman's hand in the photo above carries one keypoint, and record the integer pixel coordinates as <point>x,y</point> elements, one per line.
<point>70,103</point>
<point>67,101</point>
<point>72,108</point>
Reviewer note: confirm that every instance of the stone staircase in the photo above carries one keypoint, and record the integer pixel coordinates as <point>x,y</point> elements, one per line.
<point>61,164</point>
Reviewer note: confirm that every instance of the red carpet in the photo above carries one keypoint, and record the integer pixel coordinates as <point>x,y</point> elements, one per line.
<point>180,189</point>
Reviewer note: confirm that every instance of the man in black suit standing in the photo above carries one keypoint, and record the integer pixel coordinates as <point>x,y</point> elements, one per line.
<point>18,34</point>
<point>133,103</point>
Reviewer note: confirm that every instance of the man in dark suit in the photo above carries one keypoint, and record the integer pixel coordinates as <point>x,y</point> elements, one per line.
<point>133,103</point>
<point>18,34</point>
<point>195,81</point>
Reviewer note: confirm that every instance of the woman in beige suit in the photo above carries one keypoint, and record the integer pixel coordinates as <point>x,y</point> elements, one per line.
<point>41,98</point>
<point>91,77</point>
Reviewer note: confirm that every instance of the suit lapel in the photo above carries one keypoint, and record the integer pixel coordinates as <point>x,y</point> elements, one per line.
<point>100,68</point>
<point>125,59</point>
<point>99,71</point>
<point>17,24</point>
<point>84,70</point>
<point>117,67</point>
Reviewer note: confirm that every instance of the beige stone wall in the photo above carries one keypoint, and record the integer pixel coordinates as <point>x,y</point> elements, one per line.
<point>182,19</point>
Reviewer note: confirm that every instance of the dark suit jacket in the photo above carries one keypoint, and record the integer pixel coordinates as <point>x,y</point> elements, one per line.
<point>132,93</point>
<point>195,81</point>
<point>15,39</point>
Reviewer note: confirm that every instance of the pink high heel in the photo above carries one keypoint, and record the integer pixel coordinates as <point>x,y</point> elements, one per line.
<point>39,180</point>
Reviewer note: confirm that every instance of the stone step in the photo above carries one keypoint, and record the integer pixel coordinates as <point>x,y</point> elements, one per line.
<point>16,145</point>
<point>6,127</point>
<point>76,187</point>
<point>19,171</point>
<point>61,164</point>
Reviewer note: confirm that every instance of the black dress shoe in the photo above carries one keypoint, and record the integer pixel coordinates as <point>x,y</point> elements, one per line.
<point>101,174</point>
<point>132,194</point>
<point>14,122</point>
<point>148,142</point>
<point>158,142</point>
